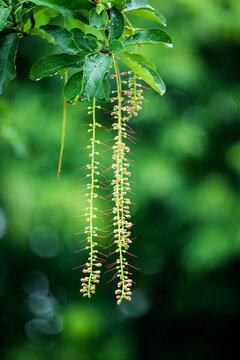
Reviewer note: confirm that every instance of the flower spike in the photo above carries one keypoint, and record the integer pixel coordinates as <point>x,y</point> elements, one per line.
<point>121,187</point>
<point>93,263</point>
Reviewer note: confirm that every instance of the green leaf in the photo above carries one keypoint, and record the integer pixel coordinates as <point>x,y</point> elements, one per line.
<point>116,25</point>
<point>4,13</point>
<point>152,36</point>
<point>100,8</point>
<point>150,14</point>
<point>42,16</point>
<point>73,87</point>
<point>116,45</point>
<point>81,15</point>
<point>103,92</point>
<point>87,29</point>
<point>68,8</point>
<point>99,21</point>
<point>149,75</point>
<point>137,58</point>
<point>50,65</point>
<point>43,34</point>
<point>62,38</point>
<point>143,9</point>
<point>94,70</point>
<point>82,40</point>
<point>136,4</point>
<point>118,4</point>
<point>25,12</point>
<point>8,51</point>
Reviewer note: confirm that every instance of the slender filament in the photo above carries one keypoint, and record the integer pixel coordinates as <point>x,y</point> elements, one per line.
<point>63,129</point>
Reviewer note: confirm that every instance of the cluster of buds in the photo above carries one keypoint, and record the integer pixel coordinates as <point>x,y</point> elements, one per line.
<point>89,282</point>
<point>133,96</point>
<point>126,288</point>
<point>93,263</point>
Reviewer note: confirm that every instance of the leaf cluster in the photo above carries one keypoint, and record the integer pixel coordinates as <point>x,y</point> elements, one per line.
<point>92,30</point>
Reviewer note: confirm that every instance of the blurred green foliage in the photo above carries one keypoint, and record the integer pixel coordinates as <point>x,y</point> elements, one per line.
<point>187,162</point>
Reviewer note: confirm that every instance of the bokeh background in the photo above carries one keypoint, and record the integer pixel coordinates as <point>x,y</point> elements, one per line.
<point>185,305</point>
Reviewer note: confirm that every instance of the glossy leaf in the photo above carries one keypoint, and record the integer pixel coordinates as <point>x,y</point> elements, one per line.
<point>99,21</point>
<point>116,45</point>
<point>116,25</point>
<point>50,65</point>
<point>82,40</point>
<point>118,4</point>
<point>150,14</point>
<point>73,87</point>
<point>100,8</point>
<point>25,12</point>
<point>136,4</point>
<point>4,13</point>
<point>94,70</point>
<point>68,8</point>
<point>152,36</point>
<point>137,58</point>
<point>87,29</point>
<point>82,15</point>
<point>8,50</point>
<point>149,75</point>
<point>43,34</point>
<point>42,16</point>
<point>62,38</point>
<point>103,92</point>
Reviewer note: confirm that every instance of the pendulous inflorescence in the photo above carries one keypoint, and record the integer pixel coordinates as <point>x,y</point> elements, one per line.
<point>92,266</point>
<point>128,104</point>
<point>84,56</point>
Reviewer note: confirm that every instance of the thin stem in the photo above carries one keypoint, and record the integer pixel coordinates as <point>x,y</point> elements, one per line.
<point>63,129</point>
<point>64,121</point>
<point>130,25</point>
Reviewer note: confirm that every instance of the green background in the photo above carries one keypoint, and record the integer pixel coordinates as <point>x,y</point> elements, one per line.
<point>185,304</point>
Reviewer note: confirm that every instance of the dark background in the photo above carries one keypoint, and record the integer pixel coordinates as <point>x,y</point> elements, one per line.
<point>185,305</point>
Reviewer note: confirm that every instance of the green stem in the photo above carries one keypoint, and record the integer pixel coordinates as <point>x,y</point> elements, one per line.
<point>64,120</point>
<point>63,129</point>
<point>130,25</point>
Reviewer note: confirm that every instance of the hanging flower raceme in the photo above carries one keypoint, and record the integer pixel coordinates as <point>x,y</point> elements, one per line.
<point>94,262</point>
<point>121,188</point>
<point>85,56</point>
